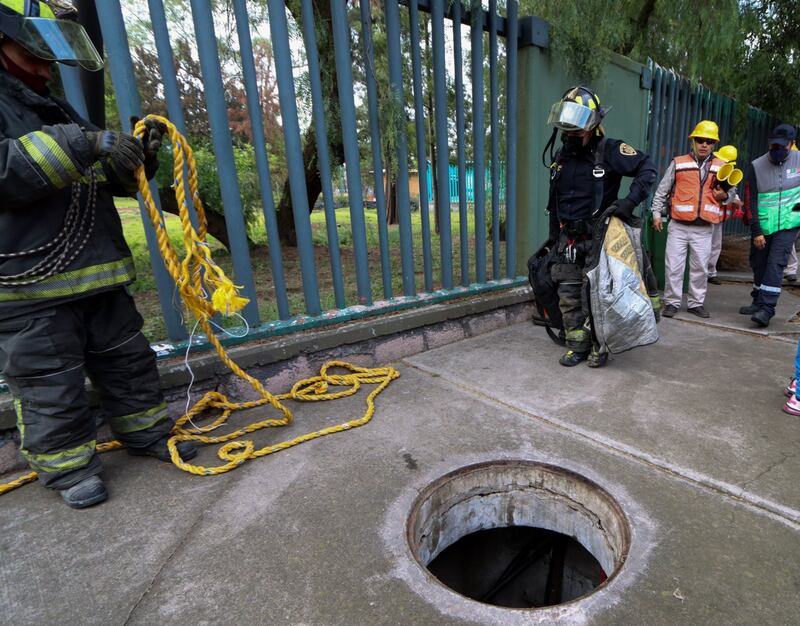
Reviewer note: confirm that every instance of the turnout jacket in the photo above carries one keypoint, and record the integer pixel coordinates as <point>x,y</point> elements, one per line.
<point>43,151</point>
<point>572,181</point>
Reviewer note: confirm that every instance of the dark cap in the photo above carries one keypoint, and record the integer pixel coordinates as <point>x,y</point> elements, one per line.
<point>783,135</point>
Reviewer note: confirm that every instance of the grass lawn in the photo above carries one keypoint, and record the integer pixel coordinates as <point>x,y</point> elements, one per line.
<point>146,296</point>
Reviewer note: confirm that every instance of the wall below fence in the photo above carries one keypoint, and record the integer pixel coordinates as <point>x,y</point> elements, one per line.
<point>281,362</point>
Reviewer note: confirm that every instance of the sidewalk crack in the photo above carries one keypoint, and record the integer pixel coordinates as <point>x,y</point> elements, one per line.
<point>157,575</point>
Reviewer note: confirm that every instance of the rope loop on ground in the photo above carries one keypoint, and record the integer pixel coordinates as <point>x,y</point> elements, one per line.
<point>206,291</point>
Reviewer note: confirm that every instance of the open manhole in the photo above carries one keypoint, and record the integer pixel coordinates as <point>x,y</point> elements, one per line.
<point>518,534</point>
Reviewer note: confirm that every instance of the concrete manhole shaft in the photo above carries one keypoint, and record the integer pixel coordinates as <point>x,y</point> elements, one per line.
<point>518,533</point>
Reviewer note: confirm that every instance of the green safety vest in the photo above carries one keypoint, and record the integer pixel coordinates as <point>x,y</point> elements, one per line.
<point>779,210</point>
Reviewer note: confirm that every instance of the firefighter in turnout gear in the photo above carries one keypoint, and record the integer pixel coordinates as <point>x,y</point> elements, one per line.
<point>585,177</point>
<point>65,312</point>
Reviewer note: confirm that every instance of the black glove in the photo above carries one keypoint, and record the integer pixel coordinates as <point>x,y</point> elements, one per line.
<point>153,138</point>
<point>622,208</point>
<point>123,151</point>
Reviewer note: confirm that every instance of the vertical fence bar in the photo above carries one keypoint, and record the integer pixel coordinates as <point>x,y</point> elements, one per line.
<point>262,159</point>
<point>684,119</point>
<point>511,138</point>
<point>422,157</point>
<point>696,106</point>
<point>294,156</point>
<point>442,152</point>
<point>479,165</point>
<point>169,79</point>
<point>124,79</point>
<point>323,156</point>
<point>375,144</point>
<point>463,216</point>
<point>392,11</point>
<point>655,146</point>
<point>223,152</point>
<point>494,125</point>
<point>71,81</point>
<point>670,115</point>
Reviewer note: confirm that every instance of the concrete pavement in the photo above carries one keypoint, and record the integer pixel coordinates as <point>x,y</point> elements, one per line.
<point>687,435</point>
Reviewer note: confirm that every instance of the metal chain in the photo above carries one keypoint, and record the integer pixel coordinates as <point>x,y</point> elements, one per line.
<point>66,245</point>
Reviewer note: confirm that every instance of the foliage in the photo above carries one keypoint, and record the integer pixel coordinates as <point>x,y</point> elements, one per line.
<point>208,177</point>
<point>748,49</point>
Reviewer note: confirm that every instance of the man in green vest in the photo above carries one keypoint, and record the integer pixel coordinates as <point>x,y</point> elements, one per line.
<point>65,312</point>
<point>772,197</point>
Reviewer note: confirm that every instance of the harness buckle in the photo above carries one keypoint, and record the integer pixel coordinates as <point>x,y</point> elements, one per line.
<point>598,172</point>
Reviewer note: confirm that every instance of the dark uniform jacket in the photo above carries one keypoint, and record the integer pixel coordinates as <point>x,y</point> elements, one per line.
<point>572,184</point>
<point>43,152</point>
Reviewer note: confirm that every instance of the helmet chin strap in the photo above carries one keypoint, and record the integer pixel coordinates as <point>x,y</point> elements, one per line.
<point>34,81</point>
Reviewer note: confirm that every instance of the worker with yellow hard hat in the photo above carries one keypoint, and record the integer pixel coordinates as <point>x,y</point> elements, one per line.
<point>731,207</point>
<point>689,188</point>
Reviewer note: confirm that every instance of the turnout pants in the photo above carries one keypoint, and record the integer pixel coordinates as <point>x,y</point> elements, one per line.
<point>768,265</point>
<point>45,357</point>
<point>683,240</point>
<point>568,273</point>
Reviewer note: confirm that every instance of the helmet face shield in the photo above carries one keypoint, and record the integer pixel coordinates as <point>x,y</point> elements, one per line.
<point>58,40</point>
<point>571,116</point>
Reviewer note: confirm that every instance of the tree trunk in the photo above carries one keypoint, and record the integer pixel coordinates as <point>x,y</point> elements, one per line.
<point>390,193</point>
<point>324,31</point>
<point>639,27</point>
<point>216,225</point>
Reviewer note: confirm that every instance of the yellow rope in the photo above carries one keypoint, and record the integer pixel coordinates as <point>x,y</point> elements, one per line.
<point>196,276</point>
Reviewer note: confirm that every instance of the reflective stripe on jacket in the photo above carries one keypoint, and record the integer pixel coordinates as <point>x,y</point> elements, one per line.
<point>43,152</point>
<point>689,199</point>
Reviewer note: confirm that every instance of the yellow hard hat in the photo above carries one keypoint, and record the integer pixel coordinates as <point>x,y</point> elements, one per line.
<point>727,153</point>
<point>706,129</point>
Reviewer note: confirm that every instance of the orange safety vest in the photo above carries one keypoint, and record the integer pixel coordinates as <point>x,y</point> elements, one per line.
<point>689,201</point>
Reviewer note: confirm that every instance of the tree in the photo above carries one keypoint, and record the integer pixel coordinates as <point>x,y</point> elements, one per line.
<point>729,45</point>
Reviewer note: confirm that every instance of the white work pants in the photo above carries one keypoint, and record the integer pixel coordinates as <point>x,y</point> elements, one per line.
<point>683,240</point>
<point>791,264</point>
<point>716,248</point>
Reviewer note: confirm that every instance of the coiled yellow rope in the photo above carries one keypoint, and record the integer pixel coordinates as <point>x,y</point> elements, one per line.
<point>196,276</point>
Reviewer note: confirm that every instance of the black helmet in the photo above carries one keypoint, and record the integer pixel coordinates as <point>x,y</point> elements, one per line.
<point>578,109</point>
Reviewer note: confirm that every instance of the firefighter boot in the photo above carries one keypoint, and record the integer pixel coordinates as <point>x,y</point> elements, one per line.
<point>597,358</point>
<point>572,358</point>
<point>159,450</point>
<point>89,491</point>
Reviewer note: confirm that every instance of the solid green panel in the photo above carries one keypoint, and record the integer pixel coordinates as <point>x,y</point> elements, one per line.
<point>542,81</point>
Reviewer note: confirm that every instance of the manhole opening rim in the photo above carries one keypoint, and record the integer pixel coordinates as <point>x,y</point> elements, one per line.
<point>452,475</point>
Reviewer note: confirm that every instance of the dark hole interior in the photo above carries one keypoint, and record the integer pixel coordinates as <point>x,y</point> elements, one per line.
<point>518,567</point>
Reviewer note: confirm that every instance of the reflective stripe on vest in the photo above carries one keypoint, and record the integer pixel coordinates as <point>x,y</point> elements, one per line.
<point>775,210</point>
<point>688,200</point>
<point>74,282</point>
<point>139,421</point>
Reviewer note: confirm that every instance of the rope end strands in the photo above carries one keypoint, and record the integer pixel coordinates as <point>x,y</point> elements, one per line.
<point>196,276</point>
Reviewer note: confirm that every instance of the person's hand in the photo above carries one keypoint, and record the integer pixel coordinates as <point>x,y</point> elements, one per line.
<point>760,242</point>
<point>657,223</point>
<point>124,152</point>
<point>153,136</point>
<point>622,208</point>
<point>719,194</point>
